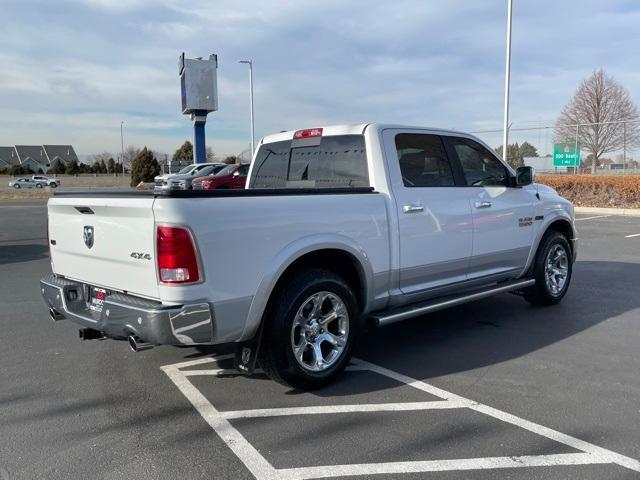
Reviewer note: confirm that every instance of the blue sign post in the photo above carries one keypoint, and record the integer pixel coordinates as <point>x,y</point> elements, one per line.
<point>199,92</point>
<point>199,118</point>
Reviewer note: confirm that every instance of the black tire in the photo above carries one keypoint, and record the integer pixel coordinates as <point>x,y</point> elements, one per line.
<point>53,185</point>
<point>541,293</point>
<point>16,186</point>
<point>276,353</point>
<point>38,185</point>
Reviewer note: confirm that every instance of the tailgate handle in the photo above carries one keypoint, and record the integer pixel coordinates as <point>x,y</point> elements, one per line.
<point>85,210</point>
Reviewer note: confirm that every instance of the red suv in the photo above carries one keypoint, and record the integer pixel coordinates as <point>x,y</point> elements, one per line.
<point>231,176</point>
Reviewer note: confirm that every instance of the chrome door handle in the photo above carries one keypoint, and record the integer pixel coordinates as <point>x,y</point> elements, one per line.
<point>482,204</point>
<point>412,208</point>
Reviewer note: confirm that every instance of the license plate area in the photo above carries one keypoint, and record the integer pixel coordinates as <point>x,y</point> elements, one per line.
<point>96,299</point>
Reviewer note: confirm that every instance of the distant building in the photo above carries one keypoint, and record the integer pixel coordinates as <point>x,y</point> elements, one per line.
<point>64,153</point>
<point>8,157</point>
<point>36,157</point>
<point>33,157</point>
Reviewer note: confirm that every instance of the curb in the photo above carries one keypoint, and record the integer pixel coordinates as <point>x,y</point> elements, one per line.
<point>630,212</point>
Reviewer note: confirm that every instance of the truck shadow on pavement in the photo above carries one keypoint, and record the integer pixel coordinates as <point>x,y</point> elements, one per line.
<point>490,331</point>
<point>504,327</point>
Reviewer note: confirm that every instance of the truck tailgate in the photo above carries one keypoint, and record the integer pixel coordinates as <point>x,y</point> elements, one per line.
<point>105,241</point>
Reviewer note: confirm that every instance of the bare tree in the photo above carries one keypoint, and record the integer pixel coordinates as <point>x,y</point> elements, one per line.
<point>130,153</point>
<point>211,156</point>
<point>600,99</point>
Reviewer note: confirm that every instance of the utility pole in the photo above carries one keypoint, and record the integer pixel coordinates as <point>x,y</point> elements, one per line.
<point>624,148</point>
<point>507,84</point>
<point>250,63</point>
<point>122,145</point>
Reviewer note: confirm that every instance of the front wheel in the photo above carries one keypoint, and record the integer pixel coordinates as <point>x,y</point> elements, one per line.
<point>53,185</point>
<point>552,269</point>
<point>16,186</point>
<point>310,330</point>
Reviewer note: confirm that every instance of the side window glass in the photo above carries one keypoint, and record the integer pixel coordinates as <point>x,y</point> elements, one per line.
<point>481,167</point>
<point>244,170</point>
<point>423,161</point>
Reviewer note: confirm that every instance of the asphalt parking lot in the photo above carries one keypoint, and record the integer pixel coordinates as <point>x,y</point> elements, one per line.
<point>495,388</point>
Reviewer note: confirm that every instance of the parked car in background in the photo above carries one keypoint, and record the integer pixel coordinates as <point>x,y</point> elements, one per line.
<point>180,180</point>
<point>52,182</point>
<point>339,227</point>
<point>185,182</point>
<point>232,176</point>
<point>27,183</point>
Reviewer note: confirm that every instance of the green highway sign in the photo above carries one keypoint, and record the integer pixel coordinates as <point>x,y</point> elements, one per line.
<point>565,155</point>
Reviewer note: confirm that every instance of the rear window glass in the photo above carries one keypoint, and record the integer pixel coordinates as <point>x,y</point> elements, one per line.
<point>337,161</point>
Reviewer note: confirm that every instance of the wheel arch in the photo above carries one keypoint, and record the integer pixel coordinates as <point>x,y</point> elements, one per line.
<point>337,253</point>
<point>564,227</point>
<point>555,221</point>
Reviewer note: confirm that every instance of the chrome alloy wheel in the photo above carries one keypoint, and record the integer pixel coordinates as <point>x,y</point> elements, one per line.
<point>556,269</point>
<point>320,331</point>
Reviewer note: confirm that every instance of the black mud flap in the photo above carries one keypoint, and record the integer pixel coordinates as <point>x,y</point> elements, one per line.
<point>246,355</point>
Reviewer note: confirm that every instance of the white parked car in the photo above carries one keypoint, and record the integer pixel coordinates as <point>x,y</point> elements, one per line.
<point>337,227</point>
<point>52,182</point>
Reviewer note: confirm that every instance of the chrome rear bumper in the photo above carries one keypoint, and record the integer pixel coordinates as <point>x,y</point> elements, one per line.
<point>124,315</point>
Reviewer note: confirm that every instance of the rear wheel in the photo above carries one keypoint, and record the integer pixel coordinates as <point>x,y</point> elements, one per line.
<point>38,185</point>
<point>310,330</point>
<point>552,269</point>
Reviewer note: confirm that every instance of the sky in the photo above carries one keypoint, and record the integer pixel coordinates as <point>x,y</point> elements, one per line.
<point>74,69</point>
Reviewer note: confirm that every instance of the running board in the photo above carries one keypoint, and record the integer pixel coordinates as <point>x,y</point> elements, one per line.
<point>396,315</point>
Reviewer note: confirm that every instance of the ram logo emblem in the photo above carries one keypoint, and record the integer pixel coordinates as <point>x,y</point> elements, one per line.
<point>87,235</point>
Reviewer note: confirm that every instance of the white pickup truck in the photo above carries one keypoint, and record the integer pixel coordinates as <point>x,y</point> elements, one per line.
<point>338,228</point>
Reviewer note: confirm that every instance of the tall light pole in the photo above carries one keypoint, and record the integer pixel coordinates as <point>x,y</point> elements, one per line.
<point>507,84</point>
<point>250,63</point>
<point>122,146</point>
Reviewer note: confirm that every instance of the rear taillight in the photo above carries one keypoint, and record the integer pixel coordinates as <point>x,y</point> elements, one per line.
<point>176,254</point>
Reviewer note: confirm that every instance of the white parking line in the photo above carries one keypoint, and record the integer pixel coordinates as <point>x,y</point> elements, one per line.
<point>438,466</point>
<point>326,409</point>
<point>593,218</point>
<point>632,236</point>
<point>263,470</point>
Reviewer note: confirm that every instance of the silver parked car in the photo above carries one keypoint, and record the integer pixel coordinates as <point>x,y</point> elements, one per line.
<point>184,178</point>
<point>27,183</point>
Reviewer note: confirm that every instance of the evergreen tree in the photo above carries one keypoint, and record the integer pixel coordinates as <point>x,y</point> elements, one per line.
<point>57,167</point>
<point>72,168</point>
<point>144,167</point>
<point>185,153</point>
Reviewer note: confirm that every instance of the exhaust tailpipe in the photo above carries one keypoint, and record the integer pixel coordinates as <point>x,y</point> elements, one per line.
<point>90,334</point>
<point>137,345</point>
<point>55,316</point>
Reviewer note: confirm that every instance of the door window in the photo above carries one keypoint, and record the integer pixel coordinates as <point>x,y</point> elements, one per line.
<point>243,170</point>
<point>481,168</point>
<point>423,161</point>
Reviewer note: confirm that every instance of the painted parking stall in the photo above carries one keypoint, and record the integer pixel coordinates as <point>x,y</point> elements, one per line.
<point>182,374</point>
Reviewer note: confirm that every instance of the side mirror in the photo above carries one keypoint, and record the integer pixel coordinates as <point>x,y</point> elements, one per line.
<point>524,176</point>
<point>236,174</point>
